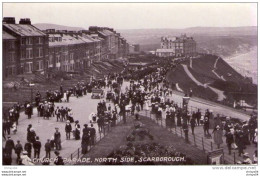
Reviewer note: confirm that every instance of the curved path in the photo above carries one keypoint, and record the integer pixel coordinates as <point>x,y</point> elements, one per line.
<point>220,93</point>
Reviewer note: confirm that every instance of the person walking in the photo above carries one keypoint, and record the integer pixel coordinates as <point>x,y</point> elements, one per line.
<point>58,113</point>
<point>85,139</point>
<point>218,133</point>
<point>77,130</point>
<point>57,139</point>
<point>18,150</point>
<point>198,117</point>
<point>229,141</point>
<point>37,147</point>
<point>68,129</point>
<point>48,149</point>
<point>92,135</point>
<point>206,127</point>
<point>192,124</point>
<point>32,135</point>
<point>186,131</point>
<point>9,146</point>
<point>28,148</point>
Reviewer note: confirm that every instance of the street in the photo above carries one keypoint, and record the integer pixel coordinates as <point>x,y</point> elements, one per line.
<point>81,107</point>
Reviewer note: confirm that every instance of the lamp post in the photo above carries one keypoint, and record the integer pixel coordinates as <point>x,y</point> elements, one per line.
<point>31,85</point>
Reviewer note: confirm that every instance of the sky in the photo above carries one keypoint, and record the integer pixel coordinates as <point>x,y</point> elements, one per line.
<point>136,15</point>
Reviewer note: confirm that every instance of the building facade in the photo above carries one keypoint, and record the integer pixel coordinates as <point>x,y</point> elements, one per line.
<point>28,50</point>
<point>182,46</point>
<point>10,57</point>
<point>32,45</point>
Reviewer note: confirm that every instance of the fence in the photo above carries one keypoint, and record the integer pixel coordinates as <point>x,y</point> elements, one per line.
<point>203,110</point>
<point>195,140</point>
<point>99,136</point>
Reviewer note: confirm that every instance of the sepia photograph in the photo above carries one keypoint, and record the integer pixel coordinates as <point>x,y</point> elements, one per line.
<point>129,84</point>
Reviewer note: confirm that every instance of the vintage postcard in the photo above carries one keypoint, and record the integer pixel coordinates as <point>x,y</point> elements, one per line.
<point>130,84</point>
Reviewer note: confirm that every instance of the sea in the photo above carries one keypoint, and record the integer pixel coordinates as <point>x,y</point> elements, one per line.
<point>245,63</point>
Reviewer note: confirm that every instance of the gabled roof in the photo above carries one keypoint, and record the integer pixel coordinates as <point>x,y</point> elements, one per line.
<point>85,38</point>
<point>7,36</point>
<point>108,32</point>
<point>71,40</point>
<point>24,29</point>
<point>103,33</point>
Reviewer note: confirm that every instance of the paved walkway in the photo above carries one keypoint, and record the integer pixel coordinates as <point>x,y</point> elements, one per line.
<point>220,93</point>
<point>201,142</point>
<point>81,107</point>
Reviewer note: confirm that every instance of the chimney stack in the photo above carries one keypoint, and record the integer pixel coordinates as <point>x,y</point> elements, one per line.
<point>9,20</point>
<point>25,21</point>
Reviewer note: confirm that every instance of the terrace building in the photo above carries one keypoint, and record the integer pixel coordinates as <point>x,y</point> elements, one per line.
<point>10,57</point>
<point>31,48</point>
<point>182,46</point>
<point>27,49</point>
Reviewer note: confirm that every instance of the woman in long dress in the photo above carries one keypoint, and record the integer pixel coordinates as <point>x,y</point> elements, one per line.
<point>77,130</point>
<point>218,133</point>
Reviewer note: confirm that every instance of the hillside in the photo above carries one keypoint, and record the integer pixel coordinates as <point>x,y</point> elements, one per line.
<point>44,26</point>
<point>219,77</point>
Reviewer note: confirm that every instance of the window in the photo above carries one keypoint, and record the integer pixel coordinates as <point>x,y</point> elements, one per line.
<point>12,45</point>
<point>71,56</point>
<point>39,65</point>
<point>23,54</point>
<point>58,59</point>
<point>39,40</point>
<point>12,56</point>
<point>29,53</point>
<point>39,52</point>
<point>47,63</point>
<point>23,41</point>
<point>29,41</point>
<point>28,67</point>
<point>50,59</point>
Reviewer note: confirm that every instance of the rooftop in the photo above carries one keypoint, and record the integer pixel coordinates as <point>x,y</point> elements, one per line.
<point>7,36</point>
<point>24,29</point>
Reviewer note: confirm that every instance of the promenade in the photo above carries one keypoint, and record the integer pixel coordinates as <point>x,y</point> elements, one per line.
<point>82,108</point>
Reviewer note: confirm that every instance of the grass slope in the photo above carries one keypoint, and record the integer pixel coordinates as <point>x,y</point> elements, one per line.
<point>185,83</point>
<point>116,139</point>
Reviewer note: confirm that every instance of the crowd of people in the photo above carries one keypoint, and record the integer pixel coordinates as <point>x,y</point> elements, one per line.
<point>151,93</point>
<point>47,108</point>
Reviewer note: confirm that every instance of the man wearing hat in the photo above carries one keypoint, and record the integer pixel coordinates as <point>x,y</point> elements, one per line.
<point>57,139</point>
<point>58,159</point>
<point>28,148</point>
<point>9,146</point>
<point>68,129</point>
<point>37,147</point>
<point>57,113</point>
<point>18,150</point>
<point>229,141</point>
<point>48,148</point>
